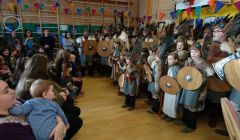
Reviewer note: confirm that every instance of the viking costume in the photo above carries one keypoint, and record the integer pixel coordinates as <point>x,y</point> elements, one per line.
<point>130,86</point>
<point>193,100</point>
<point>170,103</point>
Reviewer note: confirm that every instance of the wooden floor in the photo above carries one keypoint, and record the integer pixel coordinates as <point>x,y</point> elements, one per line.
<point>104,119</point>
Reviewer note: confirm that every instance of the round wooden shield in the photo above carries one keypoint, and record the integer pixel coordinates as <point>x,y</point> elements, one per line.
<point>169,85</point>
<point>103,49</point>
<point>148,73</point>
<point>218,85</point>
<point>110,61</point>
<point>121,80</point>
<point>147,45</point>
<point>89,47</point>
<point>189,78</point>
<point>232,73</point>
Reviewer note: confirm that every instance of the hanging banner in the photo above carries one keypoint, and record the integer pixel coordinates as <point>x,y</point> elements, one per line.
<point>42,5</point>
<point>87,8</point>
<point>79,10</point>
<point>161,15</point>
<point>185,5</point>
<point>11,6</point>
<point>211,3</point>
<point>149,18</point>
<point>101,10</point>
<point>66,10</point>
<point>25,7</point>
<point>19,2</point>
<point>237,5</point>
<point>37,5</point>
<point>188,10</point>
<point>93,11</point>
<point>198,11</point>
<point>57,4</point>
<point>173,14</point>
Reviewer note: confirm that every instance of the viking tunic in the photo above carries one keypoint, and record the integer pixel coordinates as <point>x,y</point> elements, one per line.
<point>170,102</point>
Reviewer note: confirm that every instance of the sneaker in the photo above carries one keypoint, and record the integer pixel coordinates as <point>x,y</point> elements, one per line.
<point>222,132</point>
<point>169,119</point>
<point>212,123</point>
<point>124,106</point>
<point>187,130</point>
<point>163,116</point>
<point>179,122</point>
<point>130,108</point>
<point>150,111</point>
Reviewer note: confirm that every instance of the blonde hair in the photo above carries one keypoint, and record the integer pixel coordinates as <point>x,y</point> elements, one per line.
<point>38,87</point>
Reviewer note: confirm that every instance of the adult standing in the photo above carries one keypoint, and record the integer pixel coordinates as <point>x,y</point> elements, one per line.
<point>68,43</point>
<point>28,43</point>
<point>13,41</point>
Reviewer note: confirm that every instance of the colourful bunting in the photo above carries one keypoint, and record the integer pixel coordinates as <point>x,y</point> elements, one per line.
<point>143,19</point>
<point>11,6</point>
<point>19,2</point>
<point>25,7</point>
<point>219,5</point>
<point>191,2</point>
<point>178,13</point>
<point>188,10</point>
<point>132,20</point>
<point>173,14</point>
<point>87,8</point>
<point>161,15</point>
<point>129,13</point>
<point>237,5</point>
<point>37,5</point>
<point>93,11</point>
<point>198,11</point>
<point>79,10</point>
<point>56,5</point>
<point>115,11</point>
<point>66,10</point>
<point>211,3</point>
<point>42,6</point>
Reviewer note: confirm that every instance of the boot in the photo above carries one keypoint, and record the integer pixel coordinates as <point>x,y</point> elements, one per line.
<point>83,71</point>
<point>156,105</point>
<point>127,101</point>
<point>132,103</point>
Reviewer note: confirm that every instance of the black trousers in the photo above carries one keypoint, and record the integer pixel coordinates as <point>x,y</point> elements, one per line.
<point>156,105</point>
<point>75,123</point>
<point>214,109</point>
<point>189,118</point>
<point>72,113</point>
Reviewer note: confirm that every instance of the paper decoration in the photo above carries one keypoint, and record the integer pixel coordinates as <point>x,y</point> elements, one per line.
<point>161,15</point>
<point>56,5</point>
<point>93,11</point>
<point>66,10</point>
<point>25,7</point>
<point>237,5</point>
<point>198,11</point>
<point>101,10</point>
<point>132,20</point>
<point>188,10</point>
<point>87,8</point>
<point>191,2</point>
<point>173,14</point>
<point>115,11</point>
<point>79,10</point>
<point>219,5</point>
<point>42,5</point>
<point>211,3</point>
<point>37,5</point>
<point>143,19</point>
<point>19,2</point>
<point>178,13</point>
<point>11,6</point>
<point>149,18</point>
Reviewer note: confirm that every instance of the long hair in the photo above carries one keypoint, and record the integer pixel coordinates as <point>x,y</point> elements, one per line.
<point>36,67</point>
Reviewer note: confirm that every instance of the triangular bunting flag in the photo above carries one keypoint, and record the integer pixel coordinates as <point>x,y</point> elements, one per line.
<point>53,8</point>
<point>161,15</point>
<point>42,5</point>
<point>37,5</point>
<point>178,13</point>
<point>219,5</point>
<point>129,13</point>
<point>149,18</point>
<point>57,4</point>
<point>19,2</point>
<point>132,20</point>
<point>25,7</point>
<point>173,14</point>
<point>188,10</point>
<point>191,2</point>
<point>93,11</point>
<point>198,11</point>
<point>101,10</point>
<point>237,5</point>
<point>87,8</point>
<point>79,10</point>
<point>211,3</point>
<point>66,10</point>
<point>11,6</point>
<point>143,19</point>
